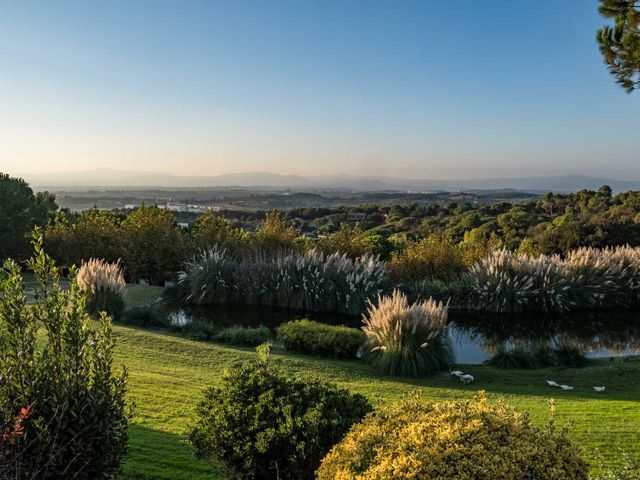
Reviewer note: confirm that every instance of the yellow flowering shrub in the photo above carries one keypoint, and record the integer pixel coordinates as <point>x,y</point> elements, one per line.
<point>471,440</point>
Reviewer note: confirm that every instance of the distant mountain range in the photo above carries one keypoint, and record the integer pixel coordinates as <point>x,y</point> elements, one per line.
<point>264,180</point>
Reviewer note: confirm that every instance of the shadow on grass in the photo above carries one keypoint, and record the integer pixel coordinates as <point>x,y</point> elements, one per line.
<point>620,379</point>
<point>155,454</point>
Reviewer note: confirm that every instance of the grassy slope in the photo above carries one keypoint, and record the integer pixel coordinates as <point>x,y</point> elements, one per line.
<point>168,373</point>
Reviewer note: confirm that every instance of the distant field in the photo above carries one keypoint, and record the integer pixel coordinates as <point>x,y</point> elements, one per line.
<point>168,374</point>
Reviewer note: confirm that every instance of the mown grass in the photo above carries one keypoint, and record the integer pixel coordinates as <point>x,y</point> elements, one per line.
<point>168,374</point>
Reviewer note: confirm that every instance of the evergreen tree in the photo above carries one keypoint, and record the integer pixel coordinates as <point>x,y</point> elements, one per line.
<point>620,43</point>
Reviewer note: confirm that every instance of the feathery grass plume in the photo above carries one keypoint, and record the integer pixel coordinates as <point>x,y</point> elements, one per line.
<point>104,285</point>
<point>407,339</point>
<point>509,282</point>
<point>294,280</point>
<point>604,278</point>
<point>353,283</point>
<point>208,277</point>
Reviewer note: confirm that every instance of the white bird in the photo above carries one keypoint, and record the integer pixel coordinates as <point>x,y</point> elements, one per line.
<point>566,387</point>
<point>552,383</point>
<point>465,379</point>
<point>457,373</point>
<point>599,389</point>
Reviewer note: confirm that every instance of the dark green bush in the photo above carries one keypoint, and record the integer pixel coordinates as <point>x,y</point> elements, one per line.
<point>539,356</point>
<point>570,355</point>
<point>262,424</point>
<point>515,358</point>
<point>105,301</point>
<point>77,421</point>
<point>199,329</point>
<point>144,316</point>
<point>244,336</point>
<point>314,338</point>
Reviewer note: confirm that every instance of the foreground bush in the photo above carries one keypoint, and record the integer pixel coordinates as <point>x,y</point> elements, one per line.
<point>416,439</point>
<point>54,366</point>
<point>263,425</point>
<point>104,285</point>
<point>409,340</point>
<point>314,338</point>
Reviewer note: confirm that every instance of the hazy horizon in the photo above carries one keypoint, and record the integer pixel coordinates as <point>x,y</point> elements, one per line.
<point>447,90</point>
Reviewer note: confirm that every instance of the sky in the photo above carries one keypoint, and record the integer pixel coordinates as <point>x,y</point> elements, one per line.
<point>415,89</point>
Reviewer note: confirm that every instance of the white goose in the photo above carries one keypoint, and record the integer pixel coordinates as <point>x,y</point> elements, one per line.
<point>552,383</point>
<point>466,378</point>
<point>599,389</point>
<point>566,387</point>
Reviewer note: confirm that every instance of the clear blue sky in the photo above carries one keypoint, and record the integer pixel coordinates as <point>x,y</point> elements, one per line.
<point>427,88</point>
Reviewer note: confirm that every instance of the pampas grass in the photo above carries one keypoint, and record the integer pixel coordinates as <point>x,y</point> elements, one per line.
<point>307,281</point>
<point>407,339</point>
<point>586,278</point>
<point>104,285</point>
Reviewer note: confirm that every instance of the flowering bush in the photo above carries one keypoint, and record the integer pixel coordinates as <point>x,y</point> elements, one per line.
<point>472,440</point>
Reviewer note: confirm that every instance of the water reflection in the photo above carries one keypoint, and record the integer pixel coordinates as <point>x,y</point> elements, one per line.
<point>476,337</point>
<point>597,334</point>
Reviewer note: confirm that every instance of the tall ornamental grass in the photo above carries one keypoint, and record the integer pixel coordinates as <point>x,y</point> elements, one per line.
<point>301,281</point>
<point>605,278</point>
<point>510,282</point>
<point>104,285</point>
<point>407,339</point>
<point>585,278</point>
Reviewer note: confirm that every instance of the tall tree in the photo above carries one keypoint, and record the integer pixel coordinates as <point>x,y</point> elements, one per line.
<point>20,211</point>
<point>620,43</point>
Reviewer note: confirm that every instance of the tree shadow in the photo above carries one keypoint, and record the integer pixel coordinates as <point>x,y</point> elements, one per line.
<point>155,454</point>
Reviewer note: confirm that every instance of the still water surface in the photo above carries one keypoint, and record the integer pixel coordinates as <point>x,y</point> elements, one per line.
<point>476,337</point>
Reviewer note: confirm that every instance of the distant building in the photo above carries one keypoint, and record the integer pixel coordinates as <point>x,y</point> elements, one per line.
<point>356,216</point>
<point>183,208</point>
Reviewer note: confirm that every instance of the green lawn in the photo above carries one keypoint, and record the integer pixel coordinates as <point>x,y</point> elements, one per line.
<point>168,374</point>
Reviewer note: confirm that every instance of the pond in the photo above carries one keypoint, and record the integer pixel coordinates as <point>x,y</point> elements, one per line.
<point>476,337</point>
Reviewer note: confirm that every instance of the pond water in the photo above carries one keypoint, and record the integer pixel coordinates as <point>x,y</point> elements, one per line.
<point>476,337</point>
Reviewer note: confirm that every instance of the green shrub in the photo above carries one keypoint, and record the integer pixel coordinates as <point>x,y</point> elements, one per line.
<point>416,439</point>
<point>570,355</point>
<point>540,355</point>
<point>104,285</point>
<point>199,329</point>
<point>408,340</point>
<point>144,316</point>
<point>514,358</point>
<point>77,422</point>
<point>454,290</point>
<point>244,336</point>
<point>314,338</point>
<point>262,424</point>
